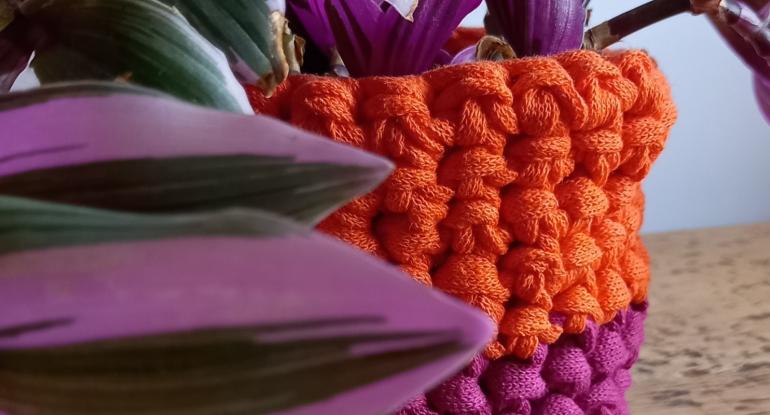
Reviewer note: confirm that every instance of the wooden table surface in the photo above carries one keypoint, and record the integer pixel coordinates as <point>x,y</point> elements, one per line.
<point>707,349</point>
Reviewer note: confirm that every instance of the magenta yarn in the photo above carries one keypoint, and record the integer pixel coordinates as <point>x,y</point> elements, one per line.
<point>581,374</point>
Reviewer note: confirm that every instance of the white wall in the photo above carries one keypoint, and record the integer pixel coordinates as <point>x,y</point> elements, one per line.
<point>716,168</point>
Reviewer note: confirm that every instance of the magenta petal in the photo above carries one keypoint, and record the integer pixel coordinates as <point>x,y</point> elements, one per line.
<point>144,288</point>
<point>313,18</point>
<point>353,24</point>
<point>540,27</point>
<point>465,56</point>
<point>762,90</point>
<point>376,40</point>
<point>84,129</point>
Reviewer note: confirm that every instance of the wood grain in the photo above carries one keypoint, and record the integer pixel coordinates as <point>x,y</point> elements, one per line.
<point>708,334</point>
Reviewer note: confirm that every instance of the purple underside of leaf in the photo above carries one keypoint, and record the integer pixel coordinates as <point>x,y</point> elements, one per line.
<point>146,288</point>
<point>313,18</point>
<point>76,130</point>
<point>374,39</point>
<point>762,89</point>
<point>535,27</point>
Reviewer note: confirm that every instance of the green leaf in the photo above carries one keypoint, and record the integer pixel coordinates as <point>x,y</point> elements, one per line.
<point>28,225</point>
<point>75,89</point>
<point>235,370</point>
<point>250,34</point>
<point>303,191</point>
<point>141,41</point>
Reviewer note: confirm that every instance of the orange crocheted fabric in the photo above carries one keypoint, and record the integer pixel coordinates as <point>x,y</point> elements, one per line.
<point>517,187</point>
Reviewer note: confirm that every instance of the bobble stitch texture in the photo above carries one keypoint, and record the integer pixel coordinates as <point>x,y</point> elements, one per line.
<point>580,374</point>
<point>516,189</point>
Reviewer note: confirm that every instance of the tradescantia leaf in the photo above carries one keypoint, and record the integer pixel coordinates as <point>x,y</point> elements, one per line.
<point>207,371</point>
<point>253,34</point>
<point>144,153</point>
<point>215,324</point>
<point>28,224</point>
<point>141,41</point>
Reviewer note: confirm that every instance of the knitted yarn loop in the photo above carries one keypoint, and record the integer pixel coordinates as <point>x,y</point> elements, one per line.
<point>517,183</point>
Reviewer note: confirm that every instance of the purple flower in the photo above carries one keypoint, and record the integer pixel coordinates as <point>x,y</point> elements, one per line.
<point>539,27</point>
<point>311,15</point>
<point>373,38</point>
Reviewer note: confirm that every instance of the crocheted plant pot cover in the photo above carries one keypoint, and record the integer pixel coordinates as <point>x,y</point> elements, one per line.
<point>517,190</point>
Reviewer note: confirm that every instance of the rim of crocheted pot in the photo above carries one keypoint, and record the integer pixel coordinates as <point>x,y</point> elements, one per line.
<point>517,183</point>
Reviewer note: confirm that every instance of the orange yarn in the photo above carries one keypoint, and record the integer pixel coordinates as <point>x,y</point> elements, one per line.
<point>517,183</point>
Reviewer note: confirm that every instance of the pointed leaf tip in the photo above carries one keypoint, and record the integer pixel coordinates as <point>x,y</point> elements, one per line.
<point>151,154</point>
<point>383,336</point>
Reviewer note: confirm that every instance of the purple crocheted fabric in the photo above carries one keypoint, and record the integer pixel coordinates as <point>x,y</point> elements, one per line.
<point>585,374</point>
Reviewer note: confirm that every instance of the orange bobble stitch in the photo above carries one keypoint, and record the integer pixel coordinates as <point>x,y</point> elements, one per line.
<point>517,183</point>
<point>583,200</point>
<point>473,278</point>
<point>328,108</point>
<point>531,274</point>
<point>523,328</point>
<point>613,293</point>
<point>611,237</point>
<point>532,213</point>
<point>353,223</point>
<point>581,259</point>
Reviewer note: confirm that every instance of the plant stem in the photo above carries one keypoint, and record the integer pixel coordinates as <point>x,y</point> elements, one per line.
<point>615,29</point>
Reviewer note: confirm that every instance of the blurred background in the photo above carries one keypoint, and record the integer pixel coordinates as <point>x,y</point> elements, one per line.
<point>716,168</point>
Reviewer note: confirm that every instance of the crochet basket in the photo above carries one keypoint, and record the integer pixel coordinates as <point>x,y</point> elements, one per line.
<point>516,189</point>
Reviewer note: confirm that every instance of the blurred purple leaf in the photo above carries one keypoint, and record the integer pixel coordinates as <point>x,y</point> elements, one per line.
<point>539,27</point>
<point>16,47</point>
<point>748,33</point>
<point>374,39</point>
<point>298,323</point>
<point>762,90</point>
<point>144,153</point>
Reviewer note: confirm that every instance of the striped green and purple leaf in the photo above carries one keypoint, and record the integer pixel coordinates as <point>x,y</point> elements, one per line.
<point>238,312</point>
<point>140,41</point>
<point>120,147</point>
